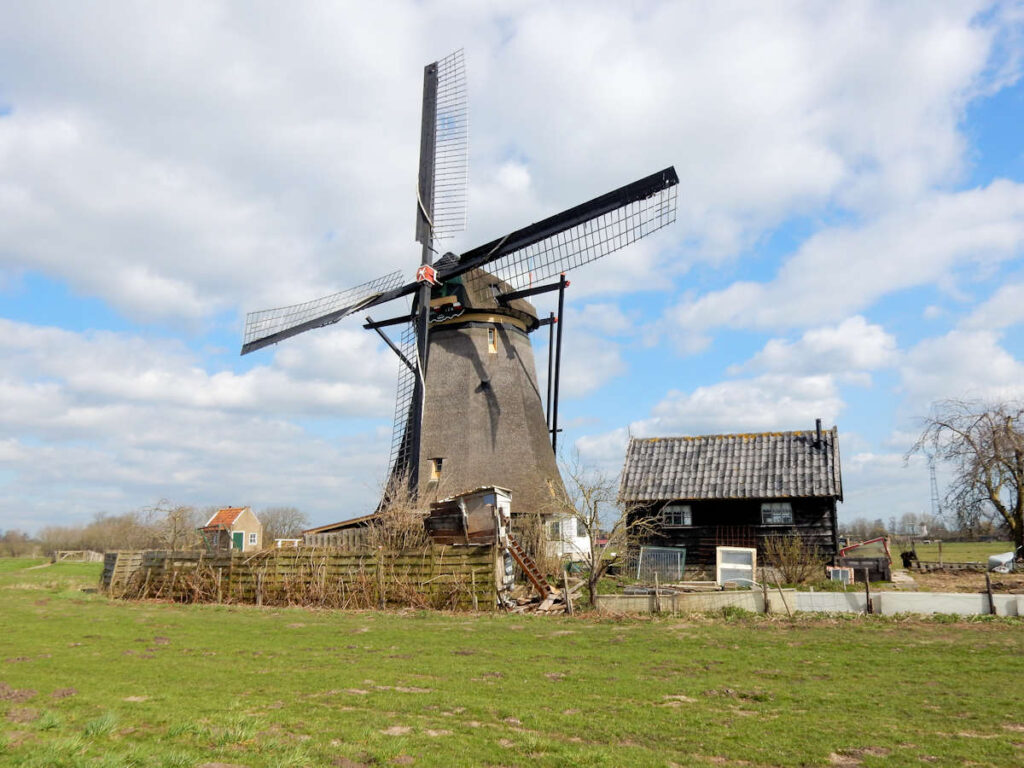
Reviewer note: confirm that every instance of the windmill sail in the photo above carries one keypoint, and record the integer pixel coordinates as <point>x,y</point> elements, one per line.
<point>578,235</point>
<point>401,434</point>
<point>269,326</point>
<point>444,151</point>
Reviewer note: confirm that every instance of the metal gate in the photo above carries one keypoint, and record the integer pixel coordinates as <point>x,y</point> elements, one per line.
<point>667,562</point>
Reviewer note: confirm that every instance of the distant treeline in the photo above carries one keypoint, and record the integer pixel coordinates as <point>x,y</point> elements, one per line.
<point>163,526</point>
<point>919,526</point>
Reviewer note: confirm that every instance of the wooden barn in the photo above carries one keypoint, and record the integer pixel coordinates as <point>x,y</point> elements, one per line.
<point>735,490</point>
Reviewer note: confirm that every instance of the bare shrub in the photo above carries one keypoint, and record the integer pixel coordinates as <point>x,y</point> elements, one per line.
<point>793,559</point>
<point>398,524</point>
<point>532,535</point>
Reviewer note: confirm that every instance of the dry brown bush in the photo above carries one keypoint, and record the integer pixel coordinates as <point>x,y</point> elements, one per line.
<point>531,533</point>
<point>398,524</point>
<point>793,559</point>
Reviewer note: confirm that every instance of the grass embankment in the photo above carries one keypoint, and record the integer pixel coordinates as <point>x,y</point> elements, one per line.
<point>89,682</point>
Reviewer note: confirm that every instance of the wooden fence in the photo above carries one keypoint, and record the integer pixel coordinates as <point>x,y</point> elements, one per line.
<point>434,577</point>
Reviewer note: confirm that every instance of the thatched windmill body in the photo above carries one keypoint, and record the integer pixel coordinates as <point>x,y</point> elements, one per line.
<point>469,411</point>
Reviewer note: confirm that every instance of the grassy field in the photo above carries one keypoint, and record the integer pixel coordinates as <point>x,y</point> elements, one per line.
<point>960,551</point>
<point>89,682</point>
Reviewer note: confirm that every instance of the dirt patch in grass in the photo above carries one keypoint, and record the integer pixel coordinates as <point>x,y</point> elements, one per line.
<point>397,730</point>
<point>63,693</point>
<point>23,715</point>
<point>7,693</point>
<point>344,762</point>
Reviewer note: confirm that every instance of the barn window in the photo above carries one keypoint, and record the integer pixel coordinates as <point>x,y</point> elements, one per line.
<point>676,515</point>
<point>435,469</point>
<point>776,513</point>
<point>492,340</point>
<point>555,530</point>
<point>252,538</point>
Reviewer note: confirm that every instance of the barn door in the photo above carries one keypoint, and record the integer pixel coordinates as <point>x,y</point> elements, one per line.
<point>237,539</point>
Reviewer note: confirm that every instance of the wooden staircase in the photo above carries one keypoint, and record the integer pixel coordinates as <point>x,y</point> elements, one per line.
<point>529,567</point>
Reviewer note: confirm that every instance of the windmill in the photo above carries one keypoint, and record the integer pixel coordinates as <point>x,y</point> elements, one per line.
<point>468,408</point>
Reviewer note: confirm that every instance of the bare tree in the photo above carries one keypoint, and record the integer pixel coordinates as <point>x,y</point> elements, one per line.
<point>16,544</point>
<point>282,523</point>
<point>984,444</point>
<point>175,525</point>
<point>591,500</point>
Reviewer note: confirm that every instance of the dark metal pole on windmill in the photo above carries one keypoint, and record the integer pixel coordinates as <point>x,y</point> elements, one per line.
<point>551,353</point>
<point>560,321</point>
<point>424,235</point>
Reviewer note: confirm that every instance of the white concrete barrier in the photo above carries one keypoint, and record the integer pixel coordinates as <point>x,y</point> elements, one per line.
<point>889,603</point>
<point>886,603</point>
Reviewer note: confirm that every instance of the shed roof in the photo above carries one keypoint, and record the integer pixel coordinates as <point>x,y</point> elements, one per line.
<point>355,522</point>
<point>770,465</point>
<point>225,517</point>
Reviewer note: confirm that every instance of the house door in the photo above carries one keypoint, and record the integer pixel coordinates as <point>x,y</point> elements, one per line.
<point>237,538</point>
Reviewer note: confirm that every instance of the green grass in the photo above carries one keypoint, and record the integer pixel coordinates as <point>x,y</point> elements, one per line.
<point>90,682</point>
<point>960,551</point>
<point>9,564</point>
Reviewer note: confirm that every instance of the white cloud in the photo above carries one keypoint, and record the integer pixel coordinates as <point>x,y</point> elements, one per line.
<point>109,421</point>
<point>852,346</point>
<point>1004,308</point>
<point>767,402</point>
<point>179,164</point>
<point>960,364</point>
<point>883,485</point>
<point>846,269</point>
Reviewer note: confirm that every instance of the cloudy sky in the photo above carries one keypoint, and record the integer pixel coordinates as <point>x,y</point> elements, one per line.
<point>848,245</point>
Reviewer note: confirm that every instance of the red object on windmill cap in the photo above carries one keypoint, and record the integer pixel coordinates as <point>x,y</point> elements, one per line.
<point>427,274</point>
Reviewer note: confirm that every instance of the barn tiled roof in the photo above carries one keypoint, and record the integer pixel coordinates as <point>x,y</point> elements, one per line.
<point>754,466</point>
<point>225,517</point>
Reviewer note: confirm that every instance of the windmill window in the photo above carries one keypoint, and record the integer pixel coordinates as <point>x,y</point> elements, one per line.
<point>776,513</point>
<point>435,469</point>
<point>492,340</point>
<point>676,515</point>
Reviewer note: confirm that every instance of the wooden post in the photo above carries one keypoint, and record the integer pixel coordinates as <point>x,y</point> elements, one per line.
<point>940,553</point>
<point>657,594</point>
<point>783,596</point>
<point>764,592</point>
<point>867,593</point>
<point>991,599</point>
<point>565,587</point>
<point>472,580</point>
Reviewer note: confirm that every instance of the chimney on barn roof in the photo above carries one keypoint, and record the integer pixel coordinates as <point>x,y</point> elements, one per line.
<point>817,429</point>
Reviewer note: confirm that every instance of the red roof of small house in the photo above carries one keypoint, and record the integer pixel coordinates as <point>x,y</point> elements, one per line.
<point>225,517</point>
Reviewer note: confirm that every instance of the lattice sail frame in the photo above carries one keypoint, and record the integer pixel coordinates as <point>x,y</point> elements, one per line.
<point>401,439</point>
<point>270,322</point>
<point>585,242</point>
<point>451,147</point>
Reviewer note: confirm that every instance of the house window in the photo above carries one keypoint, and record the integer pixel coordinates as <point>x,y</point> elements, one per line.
<point>776,513</point>
<point>435,469</point>
<point>555,530</point>
<point>492,340</point>
<point>676,515</point>
<point>252,538</point>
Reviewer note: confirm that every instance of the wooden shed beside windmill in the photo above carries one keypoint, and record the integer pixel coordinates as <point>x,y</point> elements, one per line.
<point>735,490</point>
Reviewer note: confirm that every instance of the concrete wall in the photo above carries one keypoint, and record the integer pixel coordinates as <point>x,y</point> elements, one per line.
<point>889,603</point>
<point>886,603</point>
